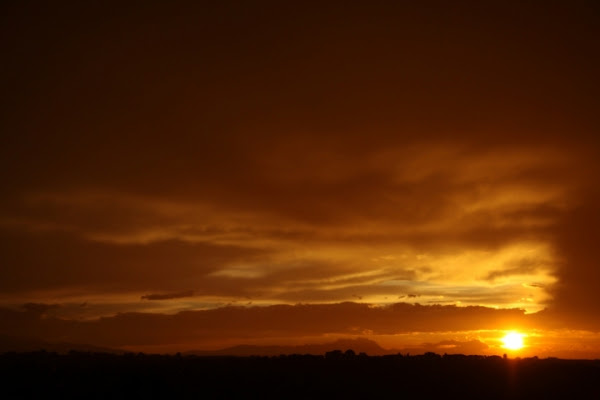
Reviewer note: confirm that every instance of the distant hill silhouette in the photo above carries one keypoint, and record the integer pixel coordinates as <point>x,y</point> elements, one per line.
<point>359,345</point>
<point>21,345</point>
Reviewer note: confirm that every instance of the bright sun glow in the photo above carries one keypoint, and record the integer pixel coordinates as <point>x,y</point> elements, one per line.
<point>513,341</point>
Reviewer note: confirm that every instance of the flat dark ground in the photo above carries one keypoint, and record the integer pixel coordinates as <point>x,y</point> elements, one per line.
<point>337,376</point>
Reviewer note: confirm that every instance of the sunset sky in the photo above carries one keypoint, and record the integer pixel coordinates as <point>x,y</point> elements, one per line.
<point>197,175</point>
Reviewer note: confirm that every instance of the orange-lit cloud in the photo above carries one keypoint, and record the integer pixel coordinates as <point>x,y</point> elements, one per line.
<point>450,240</point>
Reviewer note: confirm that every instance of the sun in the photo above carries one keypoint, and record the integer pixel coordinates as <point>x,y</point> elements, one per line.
<point>513,341</point>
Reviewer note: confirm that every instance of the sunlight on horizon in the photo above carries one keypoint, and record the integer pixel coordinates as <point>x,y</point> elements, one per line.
<point>513,341</point>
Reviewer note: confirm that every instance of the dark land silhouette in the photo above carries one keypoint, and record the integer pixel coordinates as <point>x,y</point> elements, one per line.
<point>337,374</point>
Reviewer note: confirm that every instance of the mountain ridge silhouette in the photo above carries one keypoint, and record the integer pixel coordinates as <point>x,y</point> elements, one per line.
<point>358,345</point>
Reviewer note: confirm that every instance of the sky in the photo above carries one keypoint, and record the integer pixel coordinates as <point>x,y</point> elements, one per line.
<point>198,175</point>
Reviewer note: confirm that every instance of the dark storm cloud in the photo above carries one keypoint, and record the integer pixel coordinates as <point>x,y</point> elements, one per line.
<point>577,294</point>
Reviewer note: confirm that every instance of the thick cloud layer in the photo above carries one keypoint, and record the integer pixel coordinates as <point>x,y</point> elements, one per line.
<point>196,327</point>
<point>182,157</point>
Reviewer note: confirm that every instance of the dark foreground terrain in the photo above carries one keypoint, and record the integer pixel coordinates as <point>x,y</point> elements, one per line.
<point>336,375</point>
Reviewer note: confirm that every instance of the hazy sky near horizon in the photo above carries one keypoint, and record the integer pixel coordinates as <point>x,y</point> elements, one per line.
<point>187,157</point>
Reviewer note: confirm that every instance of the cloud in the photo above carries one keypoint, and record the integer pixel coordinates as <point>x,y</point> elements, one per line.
<point>521,267</point>
<point>168,296</point>
<point>40,309</point>
<point>434,170</point>
<point>215,325</point>
<point>307,238</point>
<point>577,295</point>
<point>449,347</point>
